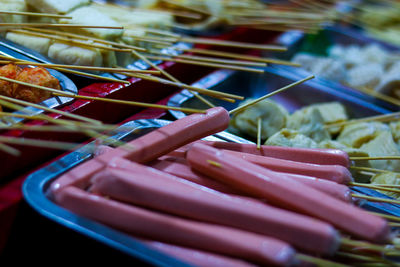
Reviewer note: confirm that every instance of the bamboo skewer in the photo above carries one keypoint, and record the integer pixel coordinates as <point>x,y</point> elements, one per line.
<point>206,64</point>
<point>172,78</point>
<point>362,257</point>
<point>367,169</point>
<point>33,14</point>
<point>38,143</point>
<point>133,103</point>
<point>259,121</point>
<point>52,66</point>
<point>381,96</point>
<point>381,118</point>
<point>270,94</point>
<point>63,113</point>
<point>58,25</point>
<point>319,261</point>
<point>68,94</point>
<point>377,199</point>
<point>375,158</point>
<point>218,60</point>
<point>394,224</point>
<point>72,41</point>
<point>84,37</point>
<point>10,150</point>
<point>232,44</point>
<point>374,187</point>
<point>73,71</point>
<point>345,242</point>
<point>388,185</point>
<point>64,123</point>
<point>237,56</point>
<point>212,93</point>
<point>389,217</point>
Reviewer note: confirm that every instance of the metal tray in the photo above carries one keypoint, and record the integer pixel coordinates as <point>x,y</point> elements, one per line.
<point>293,40</point>
<point>53,102</point>
<point>35,187</point>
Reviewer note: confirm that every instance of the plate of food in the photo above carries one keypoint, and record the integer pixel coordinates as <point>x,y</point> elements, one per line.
<point>194,216</point>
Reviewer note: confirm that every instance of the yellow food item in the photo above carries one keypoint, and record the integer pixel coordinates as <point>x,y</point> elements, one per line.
<point>56,6</point>
<point>88,15</point>
<point>387,178</point>
<point>352,152</point>
<point>356,134</point>
<point>395,128</point>
<point>383,145</point>
<point>332,112</point>
<point>273,115</point>
<point>309,121</point>
<point>291,138</point>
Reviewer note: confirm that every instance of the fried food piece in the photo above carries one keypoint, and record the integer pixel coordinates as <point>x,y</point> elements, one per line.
<point>383,145</point>
<point>10,71</point>
<point>388,178</point>
<point>352,152</point>
<point>356,134</point>
<point>273,115</point>
<point>38,76</point>
<point>290,138</point>
<point>309,121</point>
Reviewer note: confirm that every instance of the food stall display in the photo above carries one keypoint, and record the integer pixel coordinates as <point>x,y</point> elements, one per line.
<point>263,166</point>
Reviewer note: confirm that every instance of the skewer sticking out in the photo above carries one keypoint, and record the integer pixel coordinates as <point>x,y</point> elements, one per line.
<point>237,56</point>
<point>375,158</point>
<point>3,24</point>
<point>71,41</point>
<point>169,76</point>
<point>84,37</point>
<point>372,186</point>
<point>259,122</point>
<point>10,150</point>
<point>85,74</point>
<point>381,118</point>
<point>33,14</point>
<point>386,216</point>
<point>38,143</point>
<point>240,108</point>
<point>206,64</point>
<point>376,199</point>
<point>78,67</point>
<point>5,100</point>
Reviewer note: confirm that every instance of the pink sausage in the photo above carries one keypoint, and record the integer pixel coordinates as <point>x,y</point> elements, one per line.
<point>185,172</point>
<point>164,140</point>
<point>150,188</point>
<point>283,191</point>
<point>336,173</point>
<point>306,155</point>
<point>197,257</point>
<point>166,228</point>
<point>150,146</point>
<point>336,190</point>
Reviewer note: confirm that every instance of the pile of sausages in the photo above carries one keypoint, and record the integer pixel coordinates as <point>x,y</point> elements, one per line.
<point>229,204</point>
